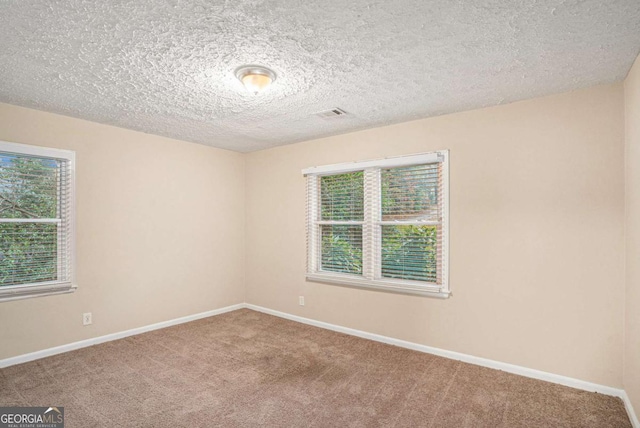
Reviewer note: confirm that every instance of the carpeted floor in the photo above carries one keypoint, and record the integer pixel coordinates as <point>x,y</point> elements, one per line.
<point>246,369</point>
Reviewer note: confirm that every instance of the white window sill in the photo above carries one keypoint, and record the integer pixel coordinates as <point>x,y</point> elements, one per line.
<point>391,286</point>
<point>17,292</point>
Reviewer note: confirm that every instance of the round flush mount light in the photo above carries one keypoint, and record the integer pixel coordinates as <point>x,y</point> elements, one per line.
<point>255,78</point>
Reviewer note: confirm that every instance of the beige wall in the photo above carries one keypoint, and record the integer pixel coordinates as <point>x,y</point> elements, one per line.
<point>632,311</point>
<point>537,239</point>
<point>160,232</point>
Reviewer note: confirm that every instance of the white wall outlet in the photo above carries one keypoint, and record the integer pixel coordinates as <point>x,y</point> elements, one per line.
<point>86,318</point>
<point>301,300</point>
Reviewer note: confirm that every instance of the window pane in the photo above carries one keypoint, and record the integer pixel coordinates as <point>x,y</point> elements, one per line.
<point>342,248</point>
<point>28,253</point>
<point>410,193</point>
<point>409,252</point>
<point>28,187</point>
<point>342,196</point>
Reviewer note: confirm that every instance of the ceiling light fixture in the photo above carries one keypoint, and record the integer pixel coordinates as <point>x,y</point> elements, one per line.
<point>255,78</point>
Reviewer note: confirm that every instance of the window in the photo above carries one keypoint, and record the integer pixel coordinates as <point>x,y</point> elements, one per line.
<point>36,221</point>
<point>380,224</point>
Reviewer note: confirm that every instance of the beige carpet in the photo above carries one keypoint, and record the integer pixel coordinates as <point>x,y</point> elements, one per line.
<point>247,369</point>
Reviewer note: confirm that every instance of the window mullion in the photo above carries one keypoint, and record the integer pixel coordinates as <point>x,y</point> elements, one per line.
<point>60,206</point>
<point>313,229</point>
<point>371,236</point>
<point>443,229</point>
<point>377,229</point>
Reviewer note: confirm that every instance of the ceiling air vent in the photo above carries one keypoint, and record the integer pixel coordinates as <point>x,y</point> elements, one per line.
<point>331,114</point>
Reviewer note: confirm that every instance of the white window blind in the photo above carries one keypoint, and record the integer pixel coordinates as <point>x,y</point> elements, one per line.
<point>36,221</point>
<point>380,224</point>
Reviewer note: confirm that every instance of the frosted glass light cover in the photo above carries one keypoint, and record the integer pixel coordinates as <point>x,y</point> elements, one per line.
<point>255,78</point>
<point>256,82</point>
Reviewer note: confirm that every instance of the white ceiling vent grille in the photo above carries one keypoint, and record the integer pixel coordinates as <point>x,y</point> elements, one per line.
<point>331,114</point>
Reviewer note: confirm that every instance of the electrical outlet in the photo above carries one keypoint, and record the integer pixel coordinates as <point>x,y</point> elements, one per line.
<point>86,318</point>
<point>301,300</point>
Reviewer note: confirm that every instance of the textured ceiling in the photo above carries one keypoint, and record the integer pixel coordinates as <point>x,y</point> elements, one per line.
<point>166,66</point>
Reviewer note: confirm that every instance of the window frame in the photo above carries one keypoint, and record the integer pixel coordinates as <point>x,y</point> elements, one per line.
<point>371,277</point>
<point>24,291</point>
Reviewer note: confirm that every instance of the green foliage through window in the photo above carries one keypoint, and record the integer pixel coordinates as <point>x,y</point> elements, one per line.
<point>342,196</point>
<point>28,190</point>
<point>410,193</point>
<point>342,201</point>
<point>28,253</point>
<point>409,252</point>
<point>342,249</point>
<point>408,198</point>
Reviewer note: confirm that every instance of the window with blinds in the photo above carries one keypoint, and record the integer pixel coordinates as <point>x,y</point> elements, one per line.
<point>380,224</point>
<point>36,221</point>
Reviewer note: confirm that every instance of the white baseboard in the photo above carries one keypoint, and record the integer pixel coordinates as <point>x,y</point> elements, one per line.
<point>632,414</point>
<point>510,368</point>
<point>114,336</point>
